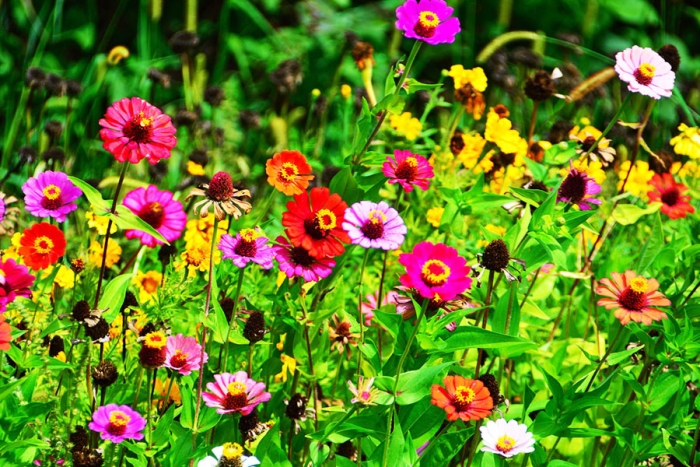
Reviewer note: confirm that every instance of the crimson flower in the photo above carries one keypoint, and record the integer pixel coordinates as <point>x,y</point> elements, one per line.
<point>670,193</point>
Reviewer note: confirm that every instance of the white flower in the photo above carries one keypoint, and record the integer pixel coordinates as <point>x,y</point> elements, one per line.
<point>506,438</point>
<point>232,449</point>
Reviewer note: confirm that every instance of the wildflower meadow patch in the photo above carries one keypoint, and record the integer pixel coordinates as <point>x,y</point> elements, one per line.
<point>372,234</point>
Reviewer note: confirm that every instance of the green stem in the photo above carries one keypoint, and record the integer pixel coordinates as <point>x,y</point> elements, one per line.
<point>611,346</point>
<point>359,309</point>
<point>239,285</point>
<point>14,127</point>
<point>511,297</point>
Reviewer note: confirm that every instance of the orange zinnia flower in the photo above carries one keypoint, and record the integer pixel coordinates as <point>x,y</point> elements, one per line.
<point>289,172</point>
<point>632,297</point>
<point>41,245</point>
<point>463,398</point>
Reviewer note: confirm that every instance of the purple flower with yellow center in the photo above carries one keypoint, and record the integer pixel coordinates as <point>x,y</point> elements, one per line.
<point>429,21</point>
<point>576,189</point>
<point>117,423</point>
<point>374,225</point>
<point>235,393</point>
<point>248,245</point>
<point>645,72</point>
<point>51,194</point>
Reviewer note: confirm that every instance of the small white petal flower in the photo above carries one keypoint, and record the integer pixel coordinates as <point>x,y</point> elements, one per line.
<point>232,449</point>
<point>506,438</point>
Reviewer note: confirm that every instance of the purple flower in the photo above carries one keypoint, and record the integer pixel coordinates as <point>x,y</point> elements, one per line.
<point>296,261</point>
<point>373,225</point>
<point>51,194</point>
<point>576,187</point>
<point>645,72</point>
<point>248,245</point>
<point>428,21</point>
<point>117,423</point>
<point>159,210</point>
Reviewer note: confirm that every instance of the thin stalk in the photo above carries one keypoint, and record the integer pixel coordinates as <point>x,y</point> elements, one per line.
<point>474,443</point>
<point>695,443</point>
<point>511,298</point>
<point>337,374</point>
<point>139,380</point>
<point>379,303</point>
<point>533,120</point>
<point>149,383</point>
<point>611,346</point>
<point>692,292</point>
<point>131,260</point>
<point>529,289</point>
<point>359,309</point>
<point>167,391</point>
<point>487,305</point>
<point>433,442</point>
<point>14,127</point>
<point>313,374</point>
<point>239,285</point>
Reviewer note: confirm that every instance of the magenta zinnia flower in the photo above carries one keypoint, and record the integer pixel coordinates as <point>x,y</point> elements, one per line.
<point>235,393</point>
<point>428,21</point>
<point>576,188</point>
<point>248,245</point>
<point>183,354</point>
<point>133,130</point>
<point>408,169</point>
<point>645,72</point>
<point>159,210</point>
<point>117,423</point>
<point>437,272</point>
<point>373,225</point>
<point>51,194</point>
<point>15,281</point>
<point>296,261</point>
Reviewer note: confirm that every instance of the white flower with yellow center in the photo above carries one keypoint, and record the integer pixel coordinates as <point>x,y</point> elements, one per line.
<point>506,439</point>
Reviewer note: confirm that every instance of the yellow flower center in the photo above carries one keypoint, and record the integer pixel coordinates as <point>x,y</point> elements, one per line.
<point>236,389</point>
<point>232,451</point>
<point>52,192</point>
<point>249,235</point>
<point>464,395</point>
<point>289,171</point>
<point>326,219</point>
<point>647,70</point>
<point>505,443</point>
<point>43,245</point>
<point>428,19</point>
<point>155,340</point>
<point>412,161</point>
<point>376,217</point>
<point>435,272</point>
<point>144,121</point>
<point>639,284</point>
<point>118,418</point>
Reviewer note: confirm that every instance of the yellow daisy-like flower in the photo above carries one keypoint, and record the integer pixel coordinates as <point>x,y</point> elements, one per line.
<point>405,125</point>
<point>690,169</point>
<point>160,390</point>
<point>476,77</point>
<point>289,366</point>
<point>114,252</point>
<point>497,229</point>
<point>99,223</point>
<point>687,143</point>
<point>504,178</point>
<point>11,252</point>
<point>434,216</point>
<point>194,169</point>
<point>65,277</point>
<point>196,257</point>
<point>473,147</point>
<point>202,229</point>
<point>148,284</point>
<point>638,183</point>
<point>499,130</point>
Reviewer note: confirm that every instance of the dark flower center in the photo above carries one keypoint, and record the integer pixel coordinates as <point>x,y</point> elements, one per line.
<point>118,422</point>
<point>427,24</point>
<point>313,228</point>
<point>220,187</point>
<point>301,257</point>
<point>153,214</point>
<point>573,188</point>
<point>633,300</point>
<point>374,227</point>
<point>645,74</point>
<point>246,248</point>
<point>52,199</point>
<point>496,256</point>
<point>408,169</point>
<point>138,129</point>
<point>343,332</point>
<point>670,197</point>
<point>587,143</point>
<point>178,360</point>
<point>236,397</point>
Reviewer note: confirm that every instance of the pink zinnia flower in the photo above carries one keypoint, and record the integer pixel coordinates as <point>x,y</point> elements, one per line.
<point>374,225</point>
<point>51,194</point>
<point>576,189</point>
<point>117,423</point>
<point>645,72</point>
<point>15,281</point>
<point>632,297</point>
<point>408,169</point>
<point>183,354</point>
<point>159,210</point>
<point>437,272</point>
<point>296,261</point>
<point>235,393</point>
<point>367,308</point>
<point>248,245</point>
<point>429,21</point>
<point>133,130</point>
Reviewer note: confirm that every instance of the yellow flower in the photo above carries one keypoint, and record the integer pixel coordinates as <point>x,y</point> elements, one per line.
<point>114,252</point>
<point>117,54</point>
<point>497,229</point>
<point>504,177</point>
<point>202,229</point>
<point>196,256</point>
<point>593,169</point>
<point>99,223</point>
<point>345,91</point>
<point>65,278</point>
<point>434,216</point>
<point>11,252</point>
<point>161,387</point>
<point>148,284</point>
<point>405,125</point>
<point>473,147</point>
<point>687,143</point>
<point>289,365</point>
<point>194,169</point>
<point>280,344</point>
<point>499,130</point>
<point>689,169</point>
<point>476,77</point>
<point>638,183</point>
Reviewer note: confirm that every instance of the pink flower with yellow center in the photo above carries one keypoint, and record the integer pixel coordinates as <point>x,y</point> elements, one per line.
<point>632,297</point>
<point>51,194</point>
<point>429,21</point>
<point>117,423</point>
<point>235,393</point>
<point>184,354</point>
<point>645,72</point>
<point>436,271</point>
<point>159,210</point>
<point>248,245</point>
<point>408,170</point>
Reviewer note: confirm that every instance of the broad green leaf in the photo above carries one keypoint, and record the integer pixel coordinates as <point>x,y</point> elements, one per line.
<point>99,204</point>
<point>472,337</point>
<point>626,214</point>
<point>500,316</point>
<point>113,296</point>
<point>652,245</point>
<point>412,384</point>
<point>127,220</point>
<point>414,86</point>
<point>663,389</point>
<point>447,446</point>
<point>392,103</point>
<point>345,185</point>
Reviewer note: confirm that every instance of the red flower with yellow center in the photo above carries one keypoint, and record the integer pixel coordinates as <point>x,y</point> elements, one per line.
<point>41,245</point>
<point>632,298</point>
<point>153,352</point>
<point>314,222</point>
<point>670,193</point>
<point>289,172</point>
<point>462,398</point>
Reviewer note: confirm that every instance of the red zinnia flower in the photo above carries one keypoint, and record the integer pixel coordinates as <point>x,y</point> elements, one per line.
<point>670,193</point>
<point>632,297</point>
<point>463,398</point>
<point>316,222</point>
<point>133,130</point>
<point>41,245</point>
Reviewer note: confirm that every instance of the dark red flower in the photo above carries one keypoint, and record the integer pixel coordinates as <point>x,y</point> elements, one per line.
<point>670,193</point>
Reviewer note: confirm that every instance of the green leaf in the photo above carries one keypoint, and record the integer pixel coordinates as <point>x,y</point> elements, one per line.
<point>99,204</point>
<point>392,103</point>
<point>415,86</point>
<point>619,357</point>
<point>412,384</point>
<point>473,337</point>
<point>664,388</point>
<point>501,314</point>
<point>652,246</point>
<point>446,448</point>
<point>125,219</point>
<point>113,296</point>
<point>272,453</point>
<point>626,214</point>
<point>346,186</point>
